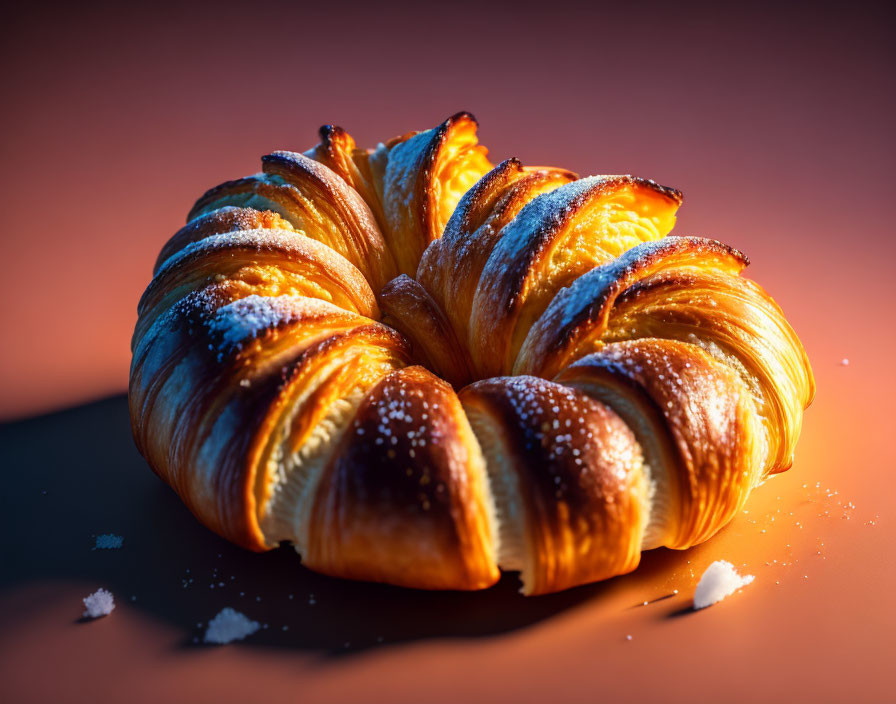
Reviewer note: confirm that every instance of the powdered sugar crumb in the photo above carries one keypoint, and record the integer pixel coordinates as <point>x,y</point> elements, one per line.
<point>403,167</point>
<point>235,323</point>
<point>98,604</point>
<point>108,541</point>
<point>544,211</point>
<point>229,625</point>
<point>272,240</point>
<point>720,580</point>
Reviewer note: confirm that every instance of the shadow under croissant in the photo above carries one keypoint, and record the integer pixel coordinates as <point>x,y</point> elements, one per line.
<point>75,474</point>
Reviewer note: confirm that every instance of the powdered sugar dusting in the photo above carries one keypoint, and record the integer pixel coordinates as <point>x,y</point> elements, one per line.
<point>229,625</point>
<point>537,406</point>
<point>591,296</point>
<point>262,240</point>
<point>100,603</point>
<point>719,581</point>
<point>560,423</point>
<point>108,541</point>
<point>404,163</point>
<point>544,212</point>
<point>351,212</point>
<point>404,412</point>
<point>234,324</point>
<point>595,286</point>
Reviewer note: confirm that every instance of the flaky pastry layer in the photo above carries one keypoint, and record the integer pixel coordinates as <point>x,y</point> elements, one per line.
<point>419,368</point>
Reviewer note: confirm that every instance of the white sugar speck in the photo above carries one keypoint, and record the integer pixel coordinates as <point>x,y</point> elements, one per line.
<point>108,541</point>
<point>229,625</point>
<point>719,581</point>
<point>100,603</point>
<point>844,362</point>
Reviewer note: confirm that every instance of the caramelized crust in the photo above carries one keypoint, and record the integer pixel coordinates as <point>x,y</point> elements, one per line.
<point>210,377</point>
<point>314,200</point>
<point>263,390</point>
<point>217,222</point>
<point>575,320</point>
<point>452,265</point>
<point>667,387</point>
<point>566,473</point>
<point>338,152</point>
<point>554,239</point>
<point>421,178</point>
<point>258,262</point>
<point>736,322</point>
<point>410,310</point>
<point>404,498</point>
<point>310,414</point>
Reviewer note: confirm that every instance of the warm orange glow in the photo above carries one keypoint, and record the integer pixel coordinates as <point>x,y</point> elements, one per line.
<point>775,124</point>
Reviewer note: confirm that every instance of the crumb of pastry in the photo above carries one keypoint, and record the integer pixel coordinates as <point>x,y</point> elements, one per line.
<point>720,580</point>
<point>100,603</point>
<point>229,625</point>
<point>108,541</point>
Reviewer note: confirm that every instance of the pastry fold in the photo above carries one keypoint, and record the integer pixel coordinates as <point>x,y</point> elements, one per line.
<point>451,267</point>
<point>233,400</point>
<point>408,308</point>
<point>404,499</point>
<point>267,262</point>
<point>420,178</point>
<point>219,222</point>
<point>571,494</point>
<point>555,238</point>
<point>314,200</point>
<point>419,368</point>
<point>696,422</point>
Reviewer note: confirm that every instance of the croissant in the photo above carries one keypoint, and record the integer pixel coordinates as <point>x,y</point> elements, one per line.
<point>421,368</point>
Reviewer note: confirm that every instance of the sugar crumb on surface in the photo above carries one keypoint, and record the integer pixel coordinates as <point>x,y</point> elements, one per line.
<point>98,604</point>
<point>720,580</point>
<point>229,625</point>
<point>108,541</point>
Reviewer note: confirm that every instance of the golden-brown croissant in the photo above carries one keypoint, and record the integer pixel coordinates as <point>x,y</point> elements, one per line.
<point>418,368</point>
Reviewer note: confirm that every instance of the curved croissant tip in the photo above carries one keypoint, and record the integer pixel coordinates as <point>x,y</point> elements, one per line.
<point>696,242</point>
<point>327,132</point>
<point>667,191</point>
<point>671,193</point>
<point>459,116</point>
<point>398,282</point>
<point>571,175</point>
<point>733,252</point>
<point>510,164</point>
<point>281,156</point>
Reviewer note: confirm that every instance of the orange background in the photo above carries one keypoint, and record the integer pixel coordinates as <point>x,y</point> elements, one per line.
<point>776,123</point>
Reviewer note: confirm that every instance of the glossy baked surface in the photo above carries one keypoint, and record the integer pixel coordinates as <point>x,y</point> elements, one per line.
<point>420,368</point>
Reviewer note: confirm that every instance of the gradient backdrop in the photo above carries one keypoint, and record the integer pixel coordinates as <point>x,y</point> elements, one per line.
<point>776,123</point>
